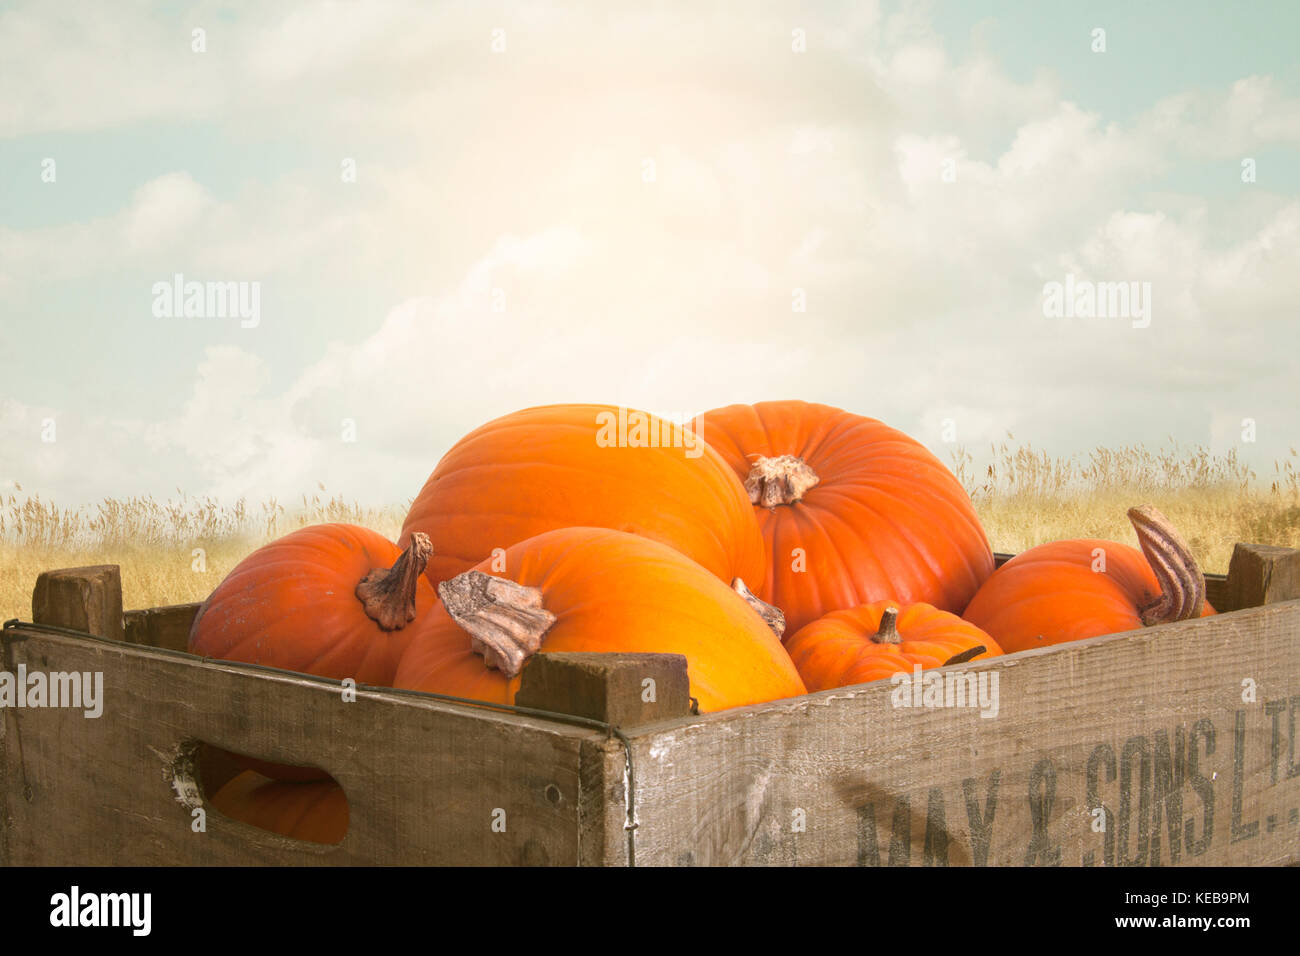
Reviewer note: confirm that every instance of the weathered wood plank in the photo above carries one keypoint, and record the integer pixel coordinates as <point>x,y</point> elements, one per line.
<point>84,599</point>
<point>1143,723</point>
<point>1262,574</point>
<point>602,803</point>
<point>1160,721</point>
<point>167,627</point>
<point>622,689</point>
<point>426,780</point>
<point>1216,592</point>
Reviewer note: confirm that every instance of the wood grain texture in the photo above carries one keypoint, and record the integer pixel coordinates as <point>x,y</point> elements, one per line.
<point>608,687</point>
<point>166,627</point>
<point>425,780</point>
<point>1157,715</point>
<point>1262,574</point>
<point>1146,727</point>
<point>1216,592</point>
<point>84,599</point>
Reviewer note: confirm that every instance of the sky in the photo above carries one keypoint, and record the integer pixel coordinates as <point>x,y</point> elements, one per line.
<point>450,211</point>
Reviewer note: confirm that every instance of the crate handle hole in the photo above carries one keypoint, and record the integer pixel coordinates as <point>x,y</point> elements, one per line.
<point>302,803</point>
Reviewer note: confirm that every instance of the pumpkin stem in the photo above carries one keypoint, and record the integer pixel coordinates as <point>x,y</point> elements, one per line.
<point>388,594</point>
<point>1182,586</point>
<point>887,633</point>
<point>967,655</point>
<point>772,615</point>
<point>779,481</point>
<point>505,621</point>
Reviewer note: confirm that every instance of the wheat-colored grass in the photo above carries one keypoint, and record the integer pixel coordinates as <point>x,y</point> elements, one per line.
<point>177,551</point>
<point>1025,497</point>
<point>170,552</point>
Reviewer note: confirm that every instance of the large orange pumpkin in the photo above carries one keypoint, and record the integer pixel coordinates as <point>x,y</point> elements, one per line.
<point>563,466</point>
<point>875,641</point>
<point>852,511</point>
<point>334,600</point>
<point>595,590</point>
<point>316,810</point>
<point>1085,587</point>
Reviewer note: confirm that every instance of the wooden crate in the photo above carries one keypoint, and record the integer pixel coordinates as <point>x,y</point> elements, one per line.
<point>1172,745</point>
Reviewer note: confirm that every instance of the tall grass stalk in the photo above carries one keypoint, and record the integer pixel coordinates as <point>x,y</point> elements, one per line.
<point>178,550</point>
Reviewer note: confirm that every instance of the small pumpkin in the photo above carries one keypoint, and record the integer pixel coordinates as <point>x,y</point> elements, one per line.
<point>562,466</point>
<point>333,600</point>
<point>315,810</point>
<point>875,641</point>
<point>852,511</point>
<point>1084,587</point>
<point>595,590</point>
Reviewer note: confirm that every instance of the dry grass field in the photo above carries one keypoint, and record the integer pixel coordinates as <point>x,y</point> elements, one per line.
<point>177,551</point>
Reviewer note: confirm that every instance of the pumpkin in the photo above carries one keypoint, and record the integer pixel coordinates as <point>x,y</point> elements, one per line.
<point>562,466</point>
<point>875,641</point>
<point>1071,590</point>
<point>595,590</point>
<point>852,511</point>
<point>333,600</point>
<point>316,810</point>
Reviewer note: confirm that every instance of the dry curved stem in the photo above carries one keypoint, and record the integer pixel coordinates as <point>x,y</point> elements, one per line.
<point>779,481</point>
<point>505,621</point>
<point>967,655</point>
<point>772,615</point>
<point>887,633</point>
<point>1182,585</point>
<point>388,596</point>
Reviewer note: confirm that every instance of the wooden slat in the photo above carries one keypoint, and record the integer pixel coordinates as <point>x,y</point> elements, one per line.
<point>602,809</point>
<point>1216,592</point>
<point>626,690</point>
<point>424,778</point>
<point>167,627</point>
<point>1262,574</point>
<point>873,783</point>
<point>85,599</point>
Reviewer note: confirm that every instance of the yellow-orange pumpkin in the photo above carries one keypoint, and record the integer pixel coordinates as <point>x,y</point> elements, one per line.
<point>1085,587</point>
<point>595,590</point>
<point>315,810</point>
<point>333,600</point>
<point>852,511</point>
<point>562,466</point>
<point>875,641</point>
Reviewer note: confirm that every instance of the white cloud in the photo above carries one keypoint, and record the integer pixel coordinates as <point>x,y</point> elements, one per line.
<point>774,171</point>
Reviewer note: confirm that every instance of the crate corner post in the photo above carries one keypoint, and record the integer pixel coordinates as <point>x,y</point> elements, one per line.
<point>1260,574</point>
<point>624,690</point>
<point>84,599</point>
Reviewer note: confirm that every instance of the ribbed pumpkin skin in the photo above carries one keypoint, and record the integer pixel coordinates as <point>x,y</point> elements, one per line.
<point>541,468</point>
<point>292,604</point>
<point>617,592</point>
<point>316,811</point>
<point>837,650</point>
<point>1049,594</point>
<point>886,520</point>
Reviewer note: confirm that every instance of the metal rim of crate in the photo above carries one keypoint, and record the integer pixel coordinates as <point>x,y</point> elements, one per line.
<point>629,825</point>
